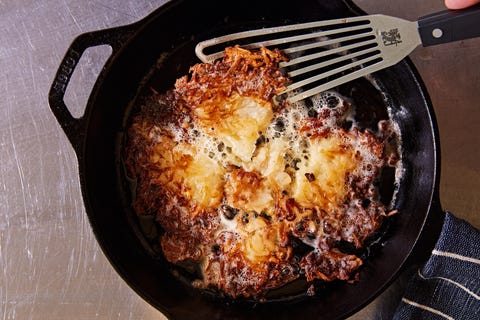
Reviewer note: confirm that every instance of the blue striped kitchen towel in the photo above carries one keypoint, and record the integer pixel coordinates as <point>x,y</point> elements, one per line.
<point>448,285</point>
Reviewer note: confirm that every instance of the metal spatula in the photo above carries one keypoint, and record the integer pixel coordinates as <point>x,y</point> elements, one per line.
<point>325,54</point>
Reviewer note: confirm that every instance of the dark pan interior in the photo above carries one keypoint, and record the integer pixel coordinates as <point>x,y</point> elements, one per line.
<point>161,50</point>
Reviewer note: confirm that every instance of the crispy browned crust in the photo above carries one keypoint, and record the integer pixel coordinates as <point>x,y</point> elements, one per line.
<point>248,73</point>
<point>263,252</point>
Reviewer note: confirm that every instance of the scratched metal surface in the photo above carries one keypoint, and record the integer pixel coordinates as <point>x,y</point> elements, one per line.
<point>50,264</point>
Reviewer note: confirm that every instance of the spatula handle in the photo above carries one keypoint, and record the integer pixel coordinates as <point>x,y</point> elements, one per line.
<point>449,25</point>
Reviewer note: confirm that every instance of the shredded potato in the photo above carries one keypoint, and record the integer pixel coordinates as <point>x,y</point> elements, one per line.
<point>237,183</point>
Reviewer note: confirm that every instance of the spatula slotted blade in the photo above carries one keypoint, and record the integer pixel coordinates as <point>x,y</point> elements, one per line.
<point>325,54</point>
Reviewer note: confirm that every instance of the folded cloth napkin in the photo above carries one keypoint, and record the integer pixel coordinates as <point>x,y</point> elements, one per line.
<point>448,285</point>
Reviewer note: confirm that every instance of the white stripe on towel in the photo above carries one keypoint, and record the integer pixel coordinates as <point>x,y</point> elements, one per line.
<point>427,308</point>
<point>455,256</point>
<point>452,282</point>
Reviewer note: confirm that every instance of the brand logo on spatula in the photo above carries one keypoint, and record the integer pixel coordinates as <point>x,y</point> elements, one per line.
<point>391,37</point>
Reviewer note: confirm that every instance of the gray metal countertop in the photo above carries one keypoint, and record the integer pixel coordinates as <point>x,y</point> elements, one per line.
<point>50,264</point>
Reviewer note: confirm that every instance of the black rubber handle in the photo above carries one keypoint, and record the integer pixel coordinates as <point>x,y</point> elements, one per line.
<point>74,127</point>
<point>450,25</point>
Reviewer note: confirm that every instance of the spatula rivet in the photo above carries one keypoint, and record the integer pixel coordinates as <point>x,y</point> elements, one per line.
<point>437,33</point>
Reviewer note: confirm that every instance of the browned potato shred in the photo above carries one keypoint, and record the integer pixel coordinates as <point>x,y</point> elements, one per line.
<point>247,73</point>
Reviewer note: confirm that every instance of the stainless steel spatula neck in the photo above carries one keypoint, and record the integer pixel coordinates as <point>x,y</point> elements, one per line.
<point>394,39</point>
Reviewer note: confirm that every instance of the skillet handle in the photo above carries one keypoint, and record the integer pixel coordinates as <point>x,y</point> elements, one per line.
<point>73,127</point>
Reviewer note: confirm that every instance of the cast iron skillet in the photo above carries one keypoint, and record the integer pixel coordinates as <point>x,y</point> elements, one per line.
<point>162,44</point>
